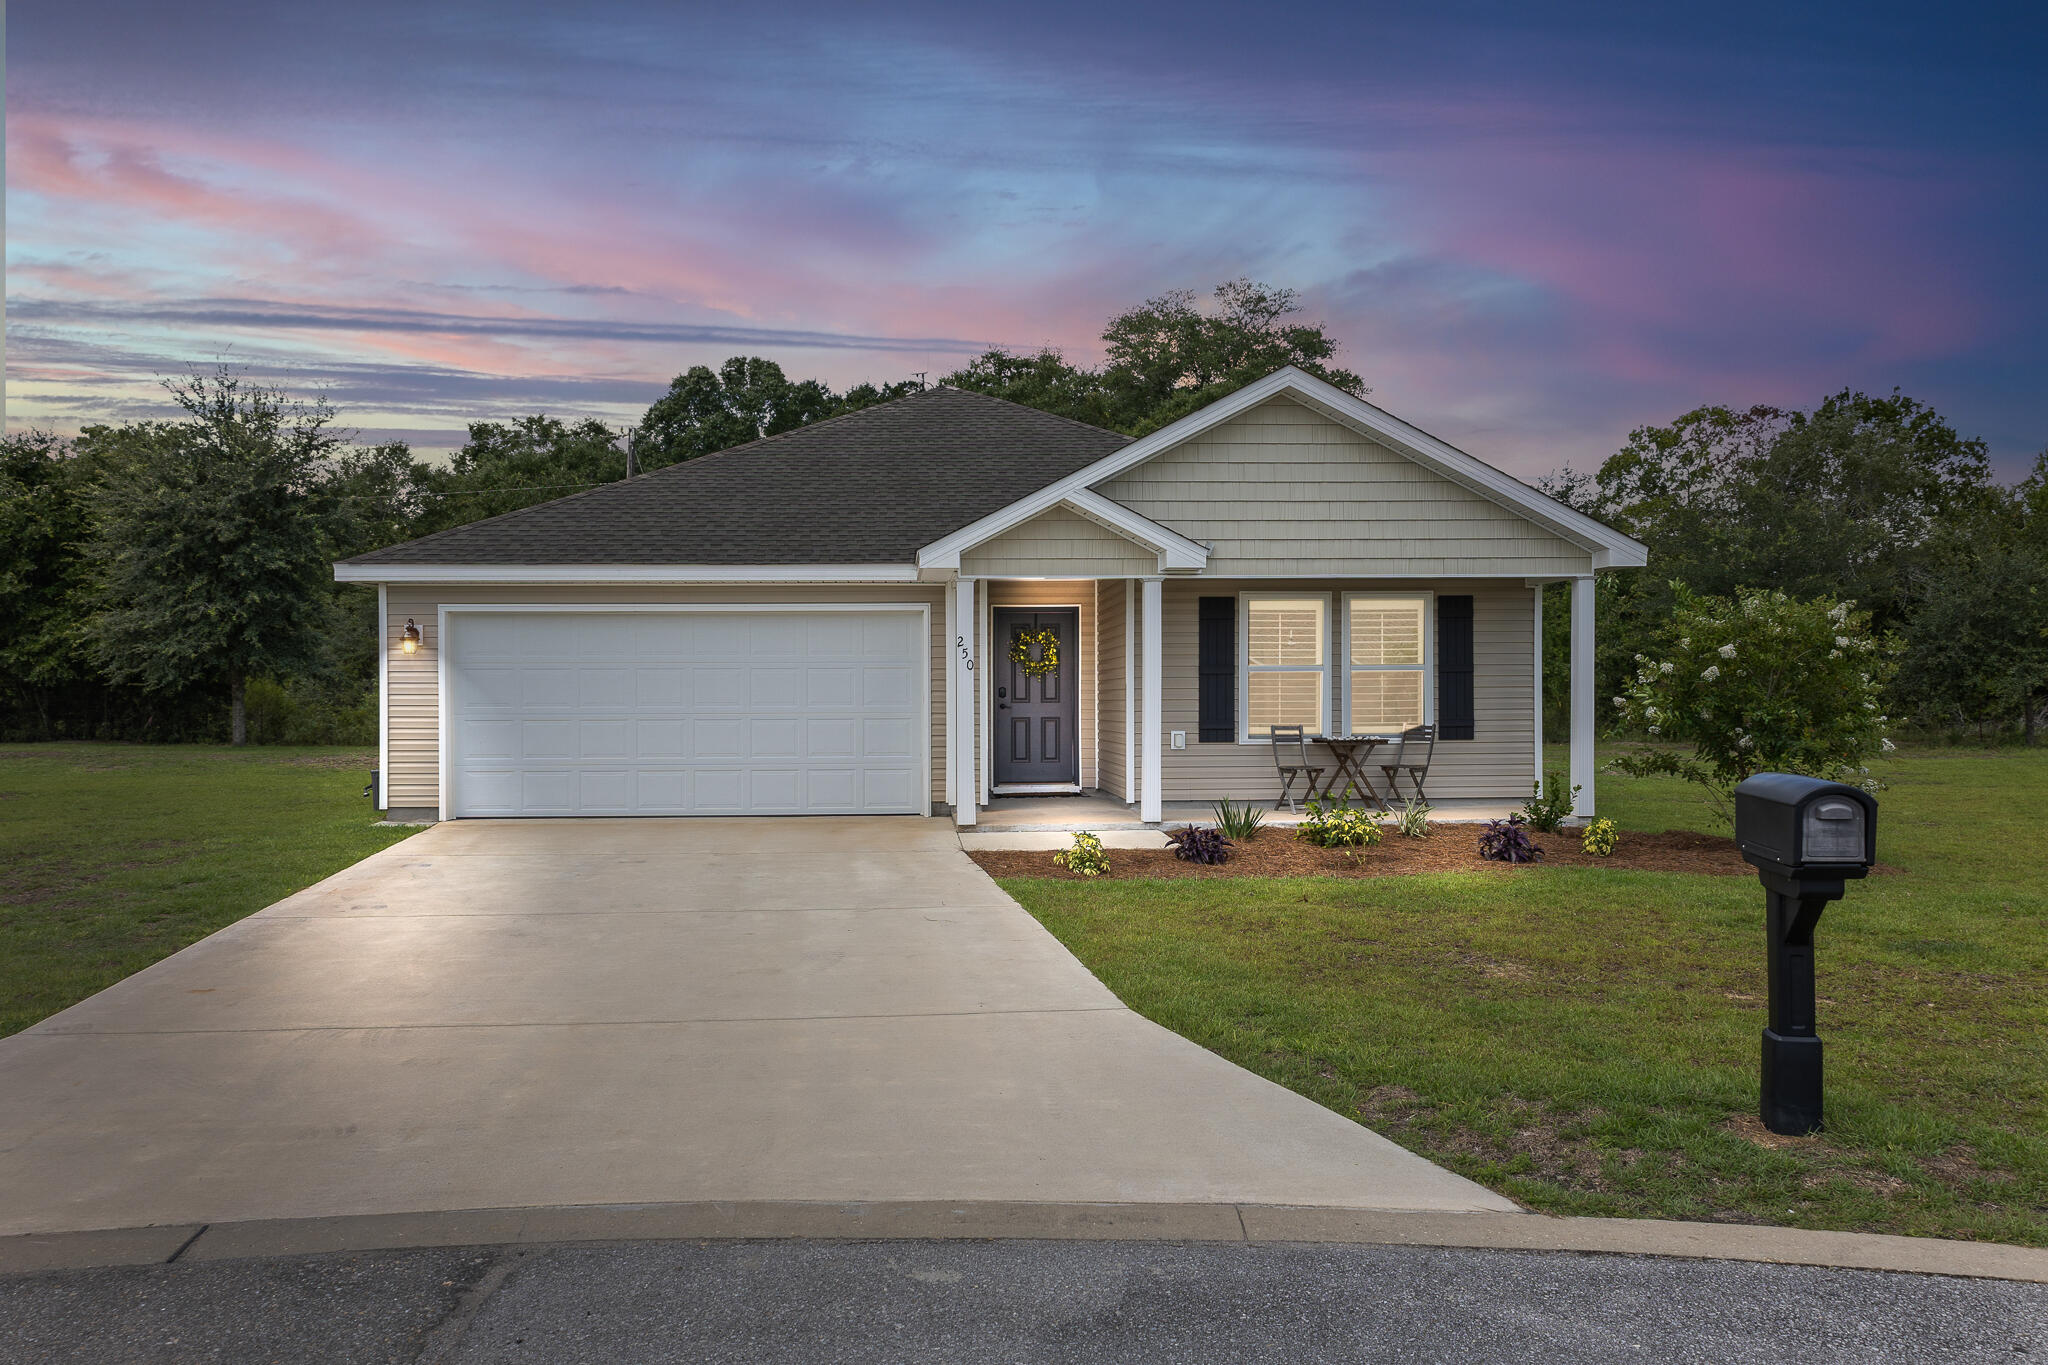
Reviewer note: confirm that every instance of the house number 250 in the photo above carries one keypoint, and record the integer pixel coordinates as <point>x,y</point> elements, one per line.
<point>966,654</point>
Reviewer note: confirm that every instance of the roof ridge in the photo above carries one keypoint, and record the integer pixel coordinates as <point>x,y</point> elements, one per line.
<point>1056,416</point>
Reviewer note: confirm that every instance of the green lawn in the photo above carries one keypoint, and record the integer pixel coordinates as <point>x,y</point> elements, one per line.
<point>1586,1040</point>
<point>113,856</point>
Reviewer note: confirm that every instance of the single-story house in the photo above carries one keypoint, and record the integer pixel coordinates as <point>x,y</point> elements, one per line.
<point>828,620</point>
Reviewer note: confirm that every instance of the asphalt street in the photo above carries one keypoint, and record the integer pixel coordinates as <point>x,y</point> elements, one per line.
<point>963,1302</point>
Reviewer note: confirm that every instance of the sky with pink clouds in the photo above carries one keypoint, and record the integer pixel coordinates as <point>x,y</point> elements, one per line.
<point>1532,228</point>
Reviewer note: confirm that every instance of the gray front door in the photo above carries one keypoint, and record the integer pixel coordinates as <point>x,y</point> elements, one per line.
<point>1037,714</point>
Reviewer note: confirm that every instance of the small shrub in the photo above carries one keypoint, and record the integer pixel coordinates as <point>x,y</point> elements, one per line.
<point>1550,804</point>
<point>1762,683</point>
<point>1412,820</point>
<point>1085,858</point>
<point>1338,827</point>
<point>1199,844</point>
<point>1600,837</point>
<point>1507,841</point>
<point>1239,822</point>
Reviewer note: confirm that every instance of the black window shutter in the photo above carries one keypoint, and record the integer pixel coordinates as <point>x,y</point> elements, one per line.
<point>1454,716</point>
<point>1217,669</point>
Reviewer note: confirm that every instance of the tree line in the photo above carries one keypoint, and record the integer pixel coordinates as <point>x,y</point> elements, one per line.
<point>170,579</point>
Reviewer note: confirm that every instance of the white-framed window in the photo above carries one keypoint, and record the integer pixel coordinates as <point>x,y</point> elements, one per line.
<point>1283,662</point>
<point>1389,666</point>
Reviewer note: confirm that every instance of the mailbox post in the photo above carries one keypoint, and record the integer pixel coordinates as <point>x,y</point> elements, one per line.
<point>1806,839</point>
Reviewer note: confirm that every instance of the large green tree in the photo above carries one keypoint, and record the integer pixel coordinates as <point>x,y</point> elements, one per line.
<point>46,489</point>
<point>211,539</point>
<point>1847,500</point>
<point>505,466</point>
<point>1167,357</point>
<point>1843,500</point>
<point>743,400</point>
<point>1976,620</point>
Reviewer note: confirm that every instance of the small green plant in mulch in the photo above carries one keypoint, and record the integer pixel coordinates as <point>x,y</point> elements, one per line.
<point>1600,837</point>
<point>1239,822</point>
<point>1412,820</point>
<point>1338,827</point>
<point>1550,805</point>
<point>1085,858</point>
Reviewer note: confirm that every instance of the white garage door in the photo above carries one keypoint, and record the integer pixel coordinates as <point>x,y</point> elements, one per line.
<point>805,712</point>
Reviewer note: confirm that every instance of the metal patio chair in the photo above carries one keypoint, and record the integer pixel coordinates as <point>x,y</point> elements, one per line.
<point>1411,755</point>
<point>1290,756</point>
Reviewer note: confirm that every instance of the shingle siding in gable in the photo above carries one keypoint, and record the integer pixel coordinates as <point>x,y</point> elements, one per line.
<point>1285,490</point>
<point>1058,542</point>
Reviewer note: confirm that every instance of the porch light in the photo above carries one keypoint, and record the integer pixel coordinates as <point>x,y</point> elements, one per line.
<point>409,641</point>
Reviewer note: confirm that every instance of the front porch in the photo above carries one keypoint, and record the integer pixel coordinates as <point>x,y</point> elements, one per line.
<point>1049,822</point>
<point>1148,743</point>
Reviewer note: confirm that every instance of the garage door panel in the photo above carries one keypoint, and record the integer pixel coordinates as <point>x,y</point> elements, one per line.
<point>572,713</point>
<point>887,688</point>
<point>832,737</point>
<point>604,791</point>
<point>604,687</point>
<point>605,739</point>
<point>888,739</point>
<point>718,739</point>
<point>775,687</point>
<point>779,737</point>
<point>663,789</point>
<point>491,739</point>
<point>718,687</point>
<point>657,739</point>
<point>660,688</point>
<point>833,789</point>
<point>547,687</point>
<point>547,739</point>
<point>548,791</point>
<point>718,791</point>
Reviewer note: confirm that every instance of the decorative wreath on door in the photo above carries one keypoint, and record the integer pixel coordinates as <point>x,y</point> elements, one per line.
<point>1048,651</point>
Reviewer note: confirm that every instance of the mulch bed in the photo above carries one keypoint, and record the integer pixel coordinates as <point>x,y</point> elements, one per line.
<point>1450,848</point>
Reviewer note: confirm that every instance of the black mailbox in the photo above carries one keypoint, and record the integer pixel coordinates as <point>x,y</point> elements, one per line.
<point>1806,838</point>
<point>1804,828</point>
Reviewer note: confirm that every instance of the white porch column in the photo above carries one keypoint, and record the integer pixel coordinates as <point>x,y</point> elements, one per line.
<point>1536,669</point>
<point>962,693</point>
<point>949,692</point>
<point>1582,694</point>
<point>1152,703</point>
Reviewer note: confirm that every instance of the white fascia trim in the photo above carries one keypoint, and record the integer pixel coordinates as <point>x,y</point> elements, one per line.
<point>1609,547</point>
<point>625,573</point>
<point>1177,554</point>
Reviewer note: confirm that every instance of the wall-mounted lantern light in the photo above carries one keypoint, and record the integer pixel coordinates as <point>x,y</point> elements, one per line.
<point>410,640</point>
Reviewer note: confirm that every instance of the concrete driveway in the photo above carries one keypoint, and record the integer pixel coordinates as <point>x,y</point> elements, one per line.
<point>501,1014</point>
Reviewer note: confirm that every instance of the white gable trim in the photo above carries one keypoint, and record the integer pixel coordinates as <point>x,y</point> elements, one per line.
<point>1177,554</point>
<point>1609,547</point>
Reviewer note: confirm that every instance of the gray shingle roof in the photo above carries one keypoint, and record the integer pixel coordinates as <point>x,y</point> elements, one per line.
<point>871,487</point>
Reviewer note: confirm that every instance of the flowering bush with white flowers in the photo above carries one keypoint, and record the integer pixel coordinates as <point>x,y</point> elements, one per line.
<point>1765,683</point>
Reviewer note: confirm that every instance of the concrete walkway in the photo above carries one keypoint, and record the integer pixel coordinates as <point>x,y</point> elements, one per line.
<point>504,1015</point>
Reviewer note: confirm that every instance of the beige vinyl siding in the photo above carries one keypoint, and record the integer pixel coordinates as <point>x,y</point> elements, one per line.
<point>1110,655</point>
<point>1282,489</point>
<point>1055,543</point>
<point>1496,763</point>
<point>414,780</point>
<point>1064,594</point>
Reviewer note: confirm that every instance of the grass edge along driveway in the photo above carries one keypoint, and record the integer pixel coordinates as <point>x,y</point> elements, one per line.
<point>1585,1040</point>
<point>113,856</point>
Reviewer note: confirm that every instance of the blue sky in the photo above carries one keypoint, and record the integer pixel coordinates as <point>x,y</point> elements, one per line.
<point>1532,229</point>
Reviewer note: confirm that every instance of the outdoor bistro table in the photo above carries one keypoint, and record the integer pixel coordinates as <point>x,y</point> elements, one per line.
<point>1351,753</point>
